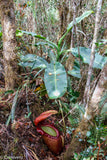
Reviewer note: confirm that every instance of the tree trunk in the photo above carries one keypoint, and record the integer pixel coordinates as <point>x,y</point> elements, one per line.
<point>65,14</point>
<point>90,113</point>
<point>92,105</point>
<point>9,43</point>
<point>92,57</point>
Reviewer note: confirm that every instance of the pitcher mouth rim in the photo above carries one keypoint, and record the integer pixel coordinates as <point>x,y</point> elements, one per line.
<point>42,132</point>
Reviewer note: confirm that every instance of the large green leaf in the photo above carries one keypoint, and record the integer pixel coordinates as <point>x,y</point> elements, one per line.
<point>79,19</point>
<point>31,33</point>
<point>19,32</point>
<point>52,56</point>
<point>75,72</point>
<point>32,61</point>
<point>85,54</point>
<point>28,57</point>
<point>44,43</point>
<point>55,80</point>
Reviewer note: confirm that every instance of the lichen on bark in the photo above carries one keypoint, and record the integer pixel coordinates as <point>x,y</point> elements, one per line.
<point>9,43</point>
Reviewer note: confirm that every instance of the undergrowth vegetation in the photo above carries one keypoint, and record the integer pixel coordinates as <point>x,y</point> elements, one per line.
<point>53,75</point>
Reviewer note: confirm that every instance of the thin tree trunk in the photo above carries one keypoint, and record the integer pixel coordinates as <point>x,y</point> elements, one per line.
<point>93,104</point>
<point>9,43</point>
<point>90,113</point>
<point>65,14</point>
<point>87,88</point>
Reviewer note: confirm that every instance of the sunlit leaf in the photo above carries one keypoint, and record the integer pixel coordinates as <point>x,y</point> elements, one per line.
<point>79,19</point>
<point>88,133</point>
<point>33,61</point>
<point>55,80</point>
<point>85,54</point>
<point>45,43</point>
<point>32,34</point>
<point>40,37</point>
<point>28,57</point>
<point>19,33</point>
<point>0,34</point>
<point>75,72</point>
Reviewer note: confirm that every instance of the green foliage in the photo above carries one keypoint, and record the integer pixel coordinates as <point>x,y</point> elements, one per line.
<point>87,154</point>
<point>85,55</point>
<point>1,44</point>
<point>30,33</point>
<point>75,72</point>
<point>55,75</point>
<point>55,79</point>
<point>75,114</point>
<point>79,19</point>
<point>14,104</point>
<point>95,136</point>
<point>72,95</point>
<point>32,61</point>
<point>9,92</point>
<point>0,31</point>
<point>18,33</point>
<point>51,44</point>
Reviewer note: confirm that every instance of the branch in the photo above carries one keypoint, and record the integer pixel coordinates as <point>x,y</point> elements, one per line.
<point>92,57</point>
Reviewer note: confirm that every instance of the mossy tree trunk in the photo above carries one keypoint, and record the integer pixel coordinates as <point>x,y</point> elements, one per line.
<point>9,43</point>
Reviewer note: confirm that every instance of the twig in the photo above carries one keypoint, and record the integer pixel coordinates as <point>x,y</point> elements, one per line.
<point>99,145</point>
<point>92,57</point>
<point>67,114</point>
<point>29,153</point>
<point>62,117</point>
<point>74,24</point>
<point>28,108</point>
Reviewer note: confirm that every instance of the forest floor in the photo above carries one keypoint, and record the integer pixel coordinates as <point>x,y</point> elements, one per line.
<point>20,140</point>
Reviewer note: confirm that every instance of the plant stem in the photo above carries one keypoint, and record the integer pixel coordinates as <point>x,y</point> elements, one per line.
<point>62,117</point>
<point>28,109</point>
